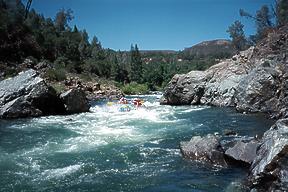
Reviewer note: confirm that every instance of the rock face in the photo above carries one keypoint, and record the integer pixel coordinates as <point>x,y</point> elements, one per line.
<point>243,152</point>
<point>28,95</point>
<point>75,101</point>
<point>215,86</point>
<point>186,89</point>
<point>270,168</point>
<point>223,78</point>
<point>255,80</point>
<point>205,149</point>
<point>93,89</point>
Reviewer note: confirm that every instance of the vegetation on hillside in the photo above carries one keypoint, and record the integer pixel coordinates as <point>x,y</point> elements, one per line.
<point>69,50</point>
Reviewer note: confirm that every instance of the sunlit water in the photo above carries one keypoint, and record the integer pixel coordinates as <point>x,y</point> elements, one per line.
<point>107,150</point>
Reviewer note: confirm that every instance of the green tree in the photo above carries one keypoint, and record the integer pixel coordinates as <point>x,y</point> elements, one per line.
<point>63,17</point>
<point>236,32</point>
<point>263,22</point>
<point>84,46</point>
<point>16,39</point>
<point>50,36</point>
<point>136,73</point>
<point>281,9</point>
<point>96,49</point>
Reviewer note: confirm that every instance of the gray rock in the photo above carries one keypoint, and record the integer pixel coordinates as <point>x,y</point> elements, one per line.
<point>28,95</point>
<point>229,132</point>
<point>75,101</point>
<point>185,89</point>
<point>42,65</point>
<point>258,90</point>
<point>205,149</point>
<point>28,63</point>
<point>269,170</point>
<point>243,152</point>
<point>163,101</point>
<point>215,86</point>
<point>255,80</point>
<point>223,79</point>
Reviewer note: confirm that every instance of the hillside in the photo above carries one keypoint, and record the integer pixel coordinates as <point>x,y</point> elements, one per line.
<point>158,51</point>
<point>68,50</point>
<point>213,47</point>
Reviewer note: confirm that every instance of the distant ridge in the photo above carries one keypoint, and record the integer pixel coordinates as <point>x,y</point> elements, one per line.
<point>217,46</point>
<point>158,51</point>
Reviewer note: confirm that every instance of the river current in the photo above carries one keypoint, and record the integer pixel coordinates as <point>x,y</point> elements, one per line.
<point>108,150</point>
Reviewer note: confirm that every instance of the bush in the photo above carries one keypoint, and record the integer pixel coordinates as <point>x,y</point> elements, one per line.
<point>55,75</point>
<point>135,88</point>
<point>85,77</point>
<point>10,72</point>
<point>59,88</point>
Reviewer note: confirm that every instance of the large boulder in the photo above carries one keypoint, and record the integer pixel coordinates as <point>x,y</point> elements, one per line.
<point>75,101</point>
<point>215,86</point>
<point>242,152</point>
<point>185,89</point>
<point>205,149</point>
<point>269,170</point>
<point>28,95</point>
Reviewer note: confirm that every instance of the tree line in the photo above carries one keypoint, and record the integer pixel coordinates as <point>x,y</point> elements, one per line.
<point>70,51</point>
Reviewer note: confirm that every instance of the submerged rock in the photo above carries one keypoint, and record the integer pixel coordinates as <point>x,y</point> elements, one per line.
<point>228,132</point>
<point>28,95</point>
<point>269,170</point>
<point>242,153</point>
<point>205,149</point>
<point>75,101</point>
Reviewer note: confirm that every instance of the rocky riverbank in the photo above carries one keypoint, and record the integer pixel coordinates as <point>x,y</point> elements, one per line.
<point>254,80</point>
<point>32,93</point>
<point>266,159</point>
<point>28,95</point>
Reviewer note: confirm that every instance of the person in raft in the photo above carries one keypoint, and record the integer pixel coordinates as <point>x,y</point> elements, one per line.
<point>137,102</point>
<point>123,100</point>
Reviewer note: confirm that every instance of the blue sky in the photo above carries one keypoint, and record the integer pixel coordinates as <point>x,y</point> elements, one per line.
<point>154,24</point>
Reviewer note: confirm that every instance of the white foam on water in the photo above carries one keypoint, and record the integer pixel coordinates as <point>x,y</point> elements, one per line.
<point>105,125</point>
<point>194,109</point>
<point>149,112</point>
<point>60,172</point>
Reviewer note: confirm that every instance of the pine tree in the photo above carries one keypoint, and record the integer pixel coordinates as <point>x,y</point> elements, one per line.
<point>96,49</point>
<point>263,22</point>
<point>136,65</point>
<point>281,12</point>
<point>115,69</point>
<point>62,19</point>
<point>84,46</point>
<point>236,32</point>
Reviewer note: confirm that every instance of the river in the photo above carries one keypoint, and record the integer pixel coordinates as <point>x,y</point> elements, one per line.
<point>108,150</point>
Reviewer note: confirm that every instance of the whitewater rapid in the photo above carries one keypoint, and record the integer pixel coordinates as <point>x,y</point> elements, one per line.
<point>109,150</point>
